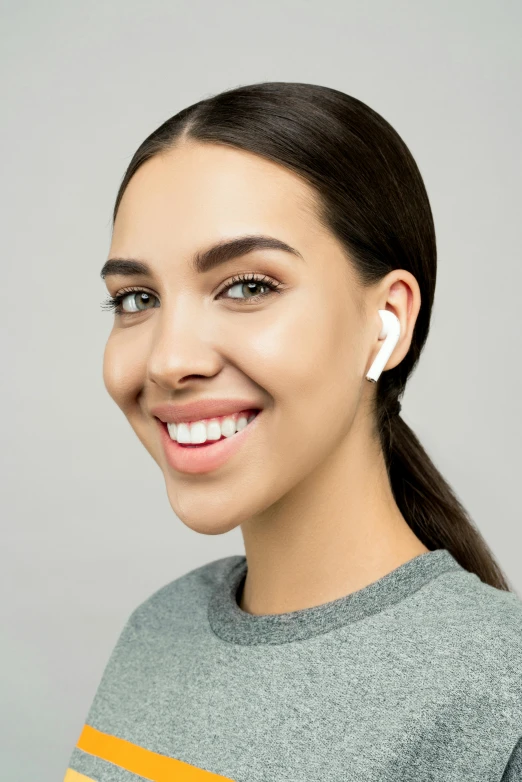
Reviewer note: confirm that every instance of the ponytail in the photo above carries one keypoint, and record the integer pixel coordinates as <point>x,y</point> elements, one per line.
<point>430,506</point>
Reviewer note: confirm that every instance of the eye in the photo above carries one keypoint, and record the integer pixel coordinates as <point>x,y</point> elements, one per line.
<point>142,300</point>
<point>139,303</point>
<point>247,284</point>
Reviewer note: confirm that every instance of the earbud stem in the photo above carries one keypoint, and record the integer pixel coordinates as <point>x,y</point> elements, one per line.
<point>390,332</point>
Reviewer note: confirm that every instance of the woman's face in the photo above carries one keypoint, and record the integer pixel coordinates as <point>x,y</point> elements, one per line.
<point>298,353</point>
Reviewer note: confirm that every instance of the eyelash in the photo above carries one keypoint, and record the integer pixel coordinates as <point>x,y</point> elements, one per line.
<point>114,303</point>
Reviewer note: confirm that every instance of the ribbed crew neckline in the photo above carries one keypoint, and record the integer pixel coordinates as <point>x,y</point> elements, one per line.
<point>231,623</point>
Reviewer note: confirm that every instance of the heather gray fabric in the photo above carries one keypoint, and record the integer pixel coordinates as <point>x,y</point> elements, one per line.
<point>416,677</point>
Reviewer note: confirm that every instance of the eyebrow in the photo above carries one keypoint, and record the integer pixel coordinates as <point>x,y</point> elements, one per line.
<point>202,261</point>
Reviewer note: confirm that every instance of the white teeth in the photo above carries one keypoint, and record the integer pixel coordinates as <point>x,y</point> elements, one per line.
<point>183,433</point>
<point>242,421</point>
<point>199,431</point>
<point>228,427</point>
<point>213,430</point>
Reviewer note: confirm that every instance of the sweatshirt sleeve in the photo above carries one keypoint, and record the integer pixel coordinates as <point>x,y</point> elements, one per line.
<point>513,770</point>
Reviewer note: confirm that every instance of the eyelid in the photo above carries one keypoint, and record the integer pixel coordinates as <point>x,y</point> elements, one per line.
<point>134,289</point>
<point>245,277</point>
<point>234,280</point>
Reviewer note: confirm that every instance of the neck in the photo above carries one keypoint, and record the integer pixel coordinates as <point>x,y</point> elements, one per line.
<point>336,532</point>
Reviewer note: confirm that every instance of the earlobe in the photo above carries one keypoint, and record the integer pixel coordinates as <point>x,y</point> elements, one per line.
<point>390,333</point>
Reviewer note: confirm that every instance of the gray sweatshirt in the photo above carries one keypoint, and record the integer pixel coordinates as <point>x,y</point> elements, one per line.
<point>415,677</point>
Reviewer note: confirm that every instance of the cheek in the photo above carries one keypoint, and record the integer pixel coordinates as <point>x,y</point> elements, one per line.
<point>306,351</point>
<point>309,362</point>
<point>123,370</point>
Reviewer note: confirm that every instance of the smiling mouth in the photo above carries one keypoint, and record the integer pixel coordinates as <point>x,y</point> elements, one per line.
<point>184,458</point>
<point>209,443</point>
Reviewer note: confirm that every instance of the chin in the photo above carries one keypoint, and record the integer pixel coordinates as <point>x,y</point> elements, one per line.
<point>206,514</point>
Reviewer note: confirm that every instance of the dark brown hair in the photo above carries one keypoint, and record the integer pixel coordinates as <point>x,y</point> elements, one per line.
<point>371,196</point>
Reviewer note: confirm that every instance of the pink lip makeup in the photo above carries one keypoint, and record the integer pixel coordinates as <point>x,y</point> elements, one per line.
<point>208,456</point>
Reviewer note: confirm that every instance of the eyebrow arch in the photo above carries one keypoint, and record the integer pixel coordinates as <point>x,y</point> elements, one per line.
<point>202,261</point>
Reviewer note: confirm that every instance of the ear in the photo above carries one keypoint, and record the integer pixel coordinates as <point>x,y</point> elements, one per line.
<point>399,293</point>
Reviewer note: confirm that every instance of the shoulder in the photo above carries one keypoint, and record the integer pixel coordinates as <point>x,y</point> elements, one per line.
<point>479,610</point>
<point>476,627</point>
<point>184,597</point>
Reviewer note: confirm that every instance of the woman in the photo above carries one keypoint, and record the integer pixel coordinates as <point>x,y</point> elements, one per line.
<point>368,633</point>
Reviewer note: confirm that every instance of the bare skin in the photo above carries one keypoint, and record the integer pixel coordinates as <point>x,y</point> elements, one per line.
<point>309,489</point>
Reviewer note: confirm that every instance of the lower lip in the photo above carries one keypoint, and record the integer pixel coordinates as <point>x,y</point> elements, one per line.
<point>204,458</point>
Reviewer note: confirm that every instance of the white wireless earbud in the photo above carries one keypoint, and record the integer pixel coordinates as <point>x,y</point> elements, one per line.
<point>390,332</point>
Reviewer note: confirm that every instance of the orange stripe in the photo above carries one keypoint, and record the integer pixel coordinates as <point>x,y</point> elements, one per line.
<point>140,761</point>
<point>73,776</point>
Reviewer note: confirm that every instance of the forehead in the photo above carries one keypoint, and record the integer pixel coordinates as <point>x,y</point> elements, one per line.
<point>198,193</point>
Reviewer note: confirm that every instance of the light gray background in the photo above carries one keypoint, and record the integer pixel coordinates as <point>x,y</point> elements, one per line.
<point>87,531</point>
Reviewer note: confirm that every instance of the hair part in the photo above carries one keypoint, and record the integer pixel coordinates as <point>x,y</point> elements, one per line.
<point>372,198</point>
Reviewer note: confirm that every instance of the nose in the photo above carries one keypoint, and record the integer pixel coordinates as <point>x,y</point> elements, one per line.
<point>183,344</point>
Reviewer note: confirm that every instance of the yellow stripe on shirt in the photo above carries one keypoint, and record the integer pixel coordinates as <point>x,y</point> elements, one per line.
<point>138,760</point>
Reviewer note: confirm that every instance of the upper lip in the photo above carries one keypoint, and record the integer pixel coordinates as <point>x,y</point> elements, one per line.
<point>203,408</point>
